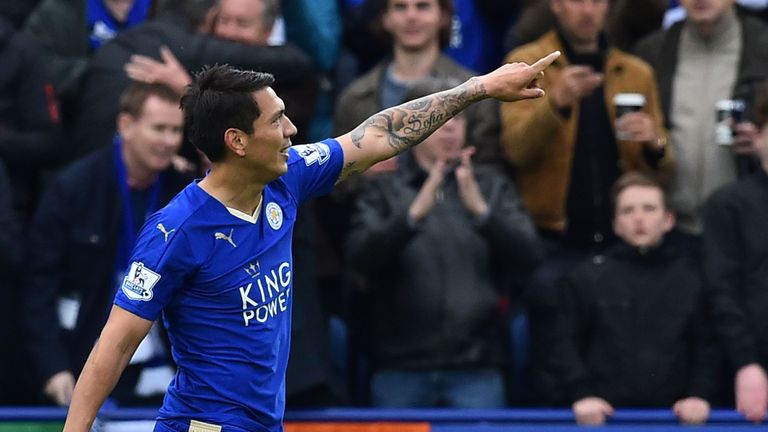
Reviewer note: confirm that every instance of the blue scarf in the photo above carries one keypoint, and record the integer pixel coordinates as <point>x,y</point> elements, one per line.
<point>102,26</point>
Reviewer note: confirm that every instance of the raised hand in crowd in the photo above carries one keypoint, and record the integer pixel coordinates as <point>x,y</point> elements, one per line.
<point>747,139</point>
<point>59,387</point>
<point>428,195</point>
<point>575,82</point>
<point>751,392</point>
<point>692,410</point>
<point>469,191</point>
<point>592,411</point>
<point>641,127</point>
<point>169,72</point>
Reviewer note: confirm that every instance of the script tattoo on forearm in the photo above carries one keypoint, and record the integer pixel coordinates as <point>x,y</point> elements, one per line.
<point>408,124</point>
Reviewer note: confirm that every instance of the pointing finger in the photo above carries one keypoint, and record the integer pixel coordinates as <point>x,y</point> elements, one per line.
<point>542,63</point>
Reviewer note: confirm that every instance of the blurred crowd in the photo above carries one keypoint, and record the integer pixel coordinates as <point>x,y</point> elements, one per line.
<point>602,247</point>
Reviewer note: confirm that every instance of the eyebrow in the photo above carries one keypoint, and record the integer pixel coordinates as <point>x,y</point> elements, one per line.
<point>277,115</point>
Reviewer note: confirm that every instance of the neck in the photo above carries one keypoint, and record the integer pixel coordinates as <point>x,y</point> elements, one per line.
<point>409,65</point>
<point>705,30</point>
<point>765,165</point>
<point>580,46</point>
<point>585,48</point>
<point>233,188</point>
<point>709,30</point>
<point>137,176</point>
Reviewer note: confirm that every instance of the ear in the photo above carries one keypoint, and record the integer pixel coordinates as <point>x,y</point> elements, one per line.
<point>385,22</point>
<point>235,142</point>
<point>125,125</point>
<point>209,22</point>
<point>669,221</point>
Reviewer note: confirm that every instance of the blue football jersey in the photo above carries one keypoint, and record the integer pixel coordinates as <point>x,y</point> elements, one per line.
<point>224,285</point>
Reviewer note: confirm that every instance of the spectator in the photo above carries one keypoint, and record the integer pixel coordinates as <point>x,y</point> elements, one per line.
<point>735,255</point>
<point>68,32</point>
<point>437,337</point>
<point>732,50</point>
<point>82,236</point>
<point>566,154</point>
<point>417,30</point>
<point>628,21</point>
<point>181,25</point>
<point>29,118</point>
<point>633,326</point>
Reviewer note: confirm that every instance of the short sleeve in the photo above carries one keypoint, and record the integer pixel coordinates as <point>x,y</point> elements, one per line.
<point>159,264</point>
<point>313,169</point>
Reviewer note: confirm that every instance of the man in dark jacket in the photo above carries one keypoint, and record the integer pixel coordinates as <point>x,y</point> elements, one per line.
<point>29,117</point>
<point>84,231</point>
<point>735,255</point>
<point>181,26</point>
<point>632,331</point>
<point>434,239</point>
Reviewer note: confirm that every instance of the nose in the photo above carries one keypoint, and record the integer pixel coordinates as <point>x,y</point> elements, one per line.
<point>289,129</point>
<point>410,11</point>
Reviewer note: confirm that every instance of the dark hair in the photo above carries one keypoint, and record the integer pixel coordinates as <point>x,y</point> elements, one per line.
<point>446,8</point>
<point>636,178</point>
<point>221,97</point>
<point>428,86</point>
<point>134,97</point>
<point>760,113</point>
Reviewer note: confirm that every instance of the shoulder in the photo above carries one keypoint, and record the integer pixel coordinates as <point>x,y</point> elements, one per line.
<point>449,67</point>
<point>314,153</point>
<point>178,223</point>
<point>535,50</point>
<point>89,171</point>
<point>651,42</point>
<point>588,274</point>
<point>650,47</point>
<point>753,26</point>
<point>64,11</point>
<point>732,194</point>
<point>364,85</point>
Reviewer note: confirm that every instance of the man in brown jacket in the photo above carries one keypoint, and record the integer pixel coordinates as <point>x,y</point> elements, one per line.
<point>566,153</point>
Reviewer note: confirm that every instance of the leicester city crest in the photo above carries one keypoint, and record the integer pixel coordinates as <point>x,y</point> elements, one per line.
<point>274,215</point>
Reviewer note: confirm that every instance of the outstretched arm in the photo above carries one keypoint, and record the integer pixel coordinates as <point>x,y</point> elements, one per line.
<point>118,341</point>
<point>397,129</point>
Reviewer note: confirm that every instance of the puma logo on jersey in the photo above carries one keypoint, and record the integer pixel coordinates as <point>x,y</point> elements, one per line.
<point>165,232</point>
<point>228,238</point>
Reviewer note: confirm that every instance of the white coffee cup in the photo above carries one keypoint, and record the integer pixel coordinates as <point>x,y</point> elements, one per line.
<point>626,103</point>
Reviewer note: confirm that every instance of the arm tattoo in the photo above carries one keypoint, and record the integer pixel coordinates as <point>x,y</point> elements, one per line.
<point>349,169</point>
<point>408,124</point>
